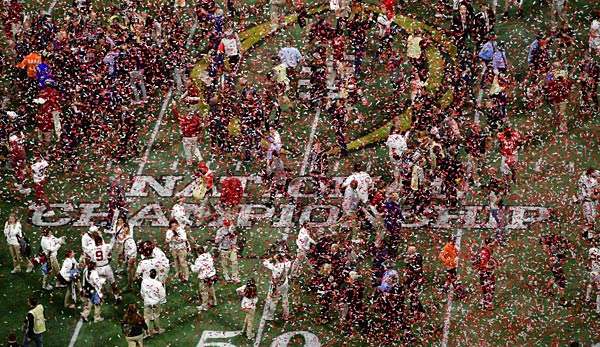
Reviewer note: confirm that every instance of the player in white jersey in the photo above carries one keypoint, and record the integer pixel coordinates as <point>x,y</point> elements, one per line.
<point>129,255</point>
<point>152,258</point>
<point>101,257</point>
<point>88,244</point>
<point>303,244</point>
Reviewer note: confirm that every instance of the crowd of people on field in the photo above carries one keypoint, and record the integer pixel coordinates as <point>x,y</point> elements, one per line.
<point>84,86</point>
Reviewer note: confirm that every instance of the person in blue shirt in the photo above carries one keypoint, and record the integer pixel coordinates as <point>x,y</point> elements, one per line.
<point>44,75</point>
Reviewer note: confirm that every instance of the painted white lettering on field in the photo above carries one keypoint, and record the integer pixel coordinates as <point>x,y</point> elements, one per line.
<point>249,213</point>
<point>524,215</point>
<point>333,214</point>
<point>470,216</point>
<point>286,216</point>
<point>88,214</point>
<point>283,216</point>
<point>166,189</point>
<point>40,215</point>
<point>444,217</point>
<point>152,213</point>
<point>213,335</point>
<point>297,187</point>
<point>283,340</point>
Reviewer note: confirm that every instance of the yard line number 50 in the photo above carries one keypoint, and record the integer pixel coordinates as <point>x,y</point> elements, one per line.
<point>310,339</point>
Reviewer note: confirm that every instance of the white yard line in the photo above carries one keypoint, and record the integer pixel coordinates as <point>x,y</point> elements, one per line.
<point>309,144</point>
<point>263,322</point>
<point>163,110</point>
<point>458,237</point>
<point>75,333</point>
<point>308,148</point>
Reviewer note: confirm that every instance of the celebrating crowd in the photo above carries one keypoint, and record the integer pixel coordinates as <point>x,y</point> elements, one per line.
<point>82,86</point>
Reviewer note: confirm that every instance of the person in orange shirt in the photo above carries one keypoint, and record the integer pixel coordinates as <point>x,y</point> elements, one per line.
<point>449,257</point>
<point>30,62</point>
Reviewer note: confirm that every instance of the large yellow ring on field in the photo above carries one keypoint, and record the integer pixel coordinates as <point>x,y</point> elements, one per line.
<point>252,36</point>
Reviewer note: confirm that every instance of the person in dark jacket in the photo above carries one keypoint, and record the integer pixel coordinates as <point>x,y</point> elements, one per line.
<point>134,326</point>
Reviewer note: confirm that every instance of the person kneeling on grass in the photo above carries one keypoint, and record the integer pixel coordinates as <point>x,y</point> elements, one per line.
<point>154,295</point>
<point>248,293</point>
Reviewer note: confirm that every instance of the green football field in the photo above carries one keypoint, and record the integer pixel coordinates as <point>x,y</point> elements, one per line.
<point>524,314</point>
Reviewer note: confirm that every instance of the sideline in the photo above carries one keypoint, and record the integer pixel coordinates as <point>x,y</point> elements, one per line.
<point>458,236</point>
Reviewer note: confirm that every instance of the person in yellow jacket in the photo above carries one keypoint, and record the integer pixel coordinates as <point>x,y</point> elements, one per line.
<point>35,324</point>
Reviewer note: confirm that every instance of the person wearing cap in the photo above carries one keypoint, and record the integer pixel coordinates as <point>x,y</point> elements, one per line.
<point>226,241</point>
<point>91,284</point>
<point>177,241</point>
<point>207,277</point>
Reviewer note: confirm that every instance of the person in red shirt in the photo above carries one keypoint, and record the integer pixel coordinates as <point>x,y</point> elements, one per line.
<point>190,125</point>
<point>558,87</point>
<point>389,6</point>
<point>12,18</point>
<point>18,161</point>
<point>509,140</point>
<point>48,115</point>
<point>486,264</point>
